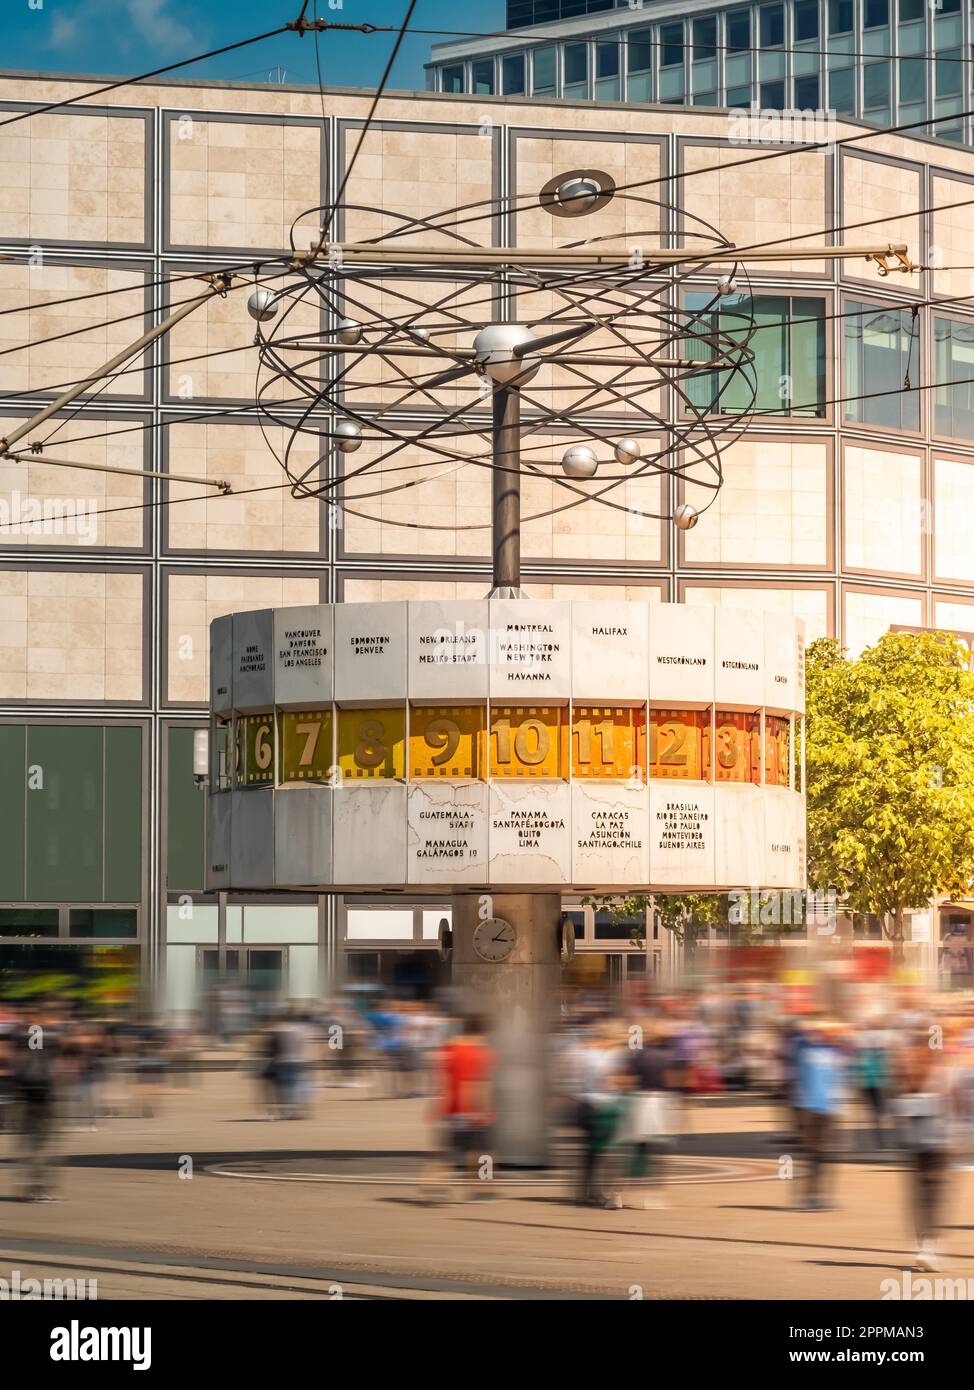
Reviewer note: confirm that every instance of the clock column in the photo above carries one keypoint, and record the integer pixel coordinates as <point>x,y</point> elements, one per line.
<point>518,998</point>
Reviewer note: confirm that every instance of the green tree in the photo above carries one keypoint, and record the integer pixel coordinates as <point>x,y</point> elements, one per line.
<point>890,773</point>
<point>684,914</point>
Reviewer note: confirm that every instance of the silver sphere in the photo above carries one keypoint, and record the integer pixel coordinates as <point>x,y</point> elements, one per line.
<point>627,451</point>
<point>494,353</point>
<point>579,461</point>
<point>262,306</point>
<point>578,195</point>
<point>349,331</point>
<point>686,516</point>
<point>727,285</point>
<point>348,436</point>
<point>422,333</point>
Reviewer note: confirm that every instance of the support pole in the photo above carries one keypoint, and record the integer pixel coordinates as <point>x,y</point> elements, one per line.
<point>518,999</point>
<point>219,284</point>
<point>507,492</point>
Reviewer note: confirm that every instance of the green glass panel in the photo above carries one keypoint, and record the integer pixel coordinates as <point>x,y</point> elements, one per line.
<point>123,814</point>
<point>29,921</point>
<point>808,357</point>
<point>186,812</point>
<point>13,761</point>
<point>103,921</point>
<point>64,813</point>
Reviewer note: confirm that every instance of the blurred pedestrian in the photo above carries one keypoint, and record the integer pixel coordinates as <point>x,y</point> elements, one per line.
<point>464,1109</point>
<point>648,1118</point>
<point>925,1104</point>
<point>818,1096</point>
<point>599,1111</point>
<point>37,1083</point>
<point>872,1073</point>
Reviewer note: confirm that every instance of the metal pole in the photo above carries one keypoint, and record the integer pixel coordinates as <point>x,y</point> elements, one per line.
<point>219,286</point>
<point>507,491</point>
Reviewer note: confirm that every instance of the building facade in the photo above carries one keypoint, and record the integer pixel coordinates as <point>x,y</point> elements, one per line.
<point>847,502</point>
<point>889,62</point>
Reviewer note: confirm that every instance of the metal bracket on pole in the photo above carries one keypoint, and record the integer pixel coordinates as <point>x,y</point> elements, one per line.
<point>217,285</point>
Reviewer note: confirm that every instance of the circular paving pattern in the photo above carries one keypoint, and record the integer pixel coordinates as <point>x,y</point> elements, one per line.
<point>414,1168</point>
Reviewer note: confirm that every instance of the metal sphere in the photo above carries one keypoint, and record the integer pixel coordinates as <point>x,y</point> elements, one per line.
<point>578,195</point>
<point>348,436</point>
<point>579,461</point>
<point>727,285</point>
<point>686,516</point>
<point>349,331</point>
<point>627,451</point>
<point>494,353</point>
<point>423,333</point>
<point>262,305</point>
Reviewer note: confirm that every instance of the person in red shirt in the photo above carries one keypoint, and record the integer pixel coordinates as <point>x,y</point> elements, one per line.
<point>463,1109</point>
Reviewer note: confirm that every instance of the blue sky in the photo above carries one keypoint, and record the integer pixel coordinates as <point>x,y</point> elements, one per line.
<point>126,37</point>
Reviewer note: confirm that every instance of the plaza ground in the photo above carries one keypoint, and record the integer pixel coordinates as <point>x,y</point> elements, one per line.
<point>332,1205</point>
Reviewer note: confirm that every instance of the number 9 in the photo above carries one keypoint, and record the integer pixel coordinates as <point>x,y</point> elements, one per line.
<point>445,735</point>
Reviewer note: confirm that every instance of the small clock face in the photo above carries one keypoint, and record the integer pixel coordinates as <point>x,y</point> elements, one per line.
<point>494,939</point>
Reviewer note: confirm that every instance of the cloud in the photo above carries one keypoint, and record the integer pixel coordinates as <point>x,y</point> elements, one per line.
<point>124,23</point>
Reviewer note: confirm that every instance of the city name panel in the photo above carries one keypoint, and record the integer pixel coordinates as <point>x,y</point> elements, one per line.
<point>506,743</point>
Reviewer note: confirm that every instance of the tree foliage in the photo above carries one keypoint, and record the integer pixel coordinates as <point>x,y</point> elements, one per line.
<point>680,913</point>
<point>890,773</point>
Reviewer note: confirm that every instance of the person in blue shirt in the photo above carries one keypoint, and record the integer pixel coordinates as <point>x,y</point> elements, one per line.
<point>819,1068</point>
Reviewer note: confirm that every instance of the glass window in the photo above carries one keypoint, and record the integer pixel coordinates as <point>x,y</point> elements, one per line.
<point>949,73</point>
<point>543,72</point>
<point>185,816</point>
<point>911,9</point>
<point>842,90</point>
<point>806,20</point>
<point>954,362</point>
<point>772,25</point>
<point>787,373</point>
<point>875,86</point>
<point>379,924</point>
<point>840,16</point>
<point>483,77</point>
<point>875,13</point>
<point>913,79</point>
<point>738,31</point>
<point>28,921</point>
<point>773,96</point>
<point>453,78</point>
<point>608,930</point>
<point>705,38</point>
<point>103,921</point>
<point>512,72</point>
<point>576,64</point>
<point>607,59</point>
<point>806,92</point>
<point>881,350</point>
<point>640,50</point>
<point>671,45</point>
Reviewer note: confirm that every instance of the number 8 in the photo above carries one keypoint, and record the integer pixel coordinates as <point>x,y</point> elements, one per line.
<point>370,751</point>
